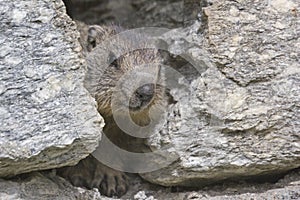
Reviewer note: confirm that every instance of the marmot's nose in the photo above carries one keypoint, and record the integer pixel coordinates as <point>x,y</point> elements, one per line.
<point>145,92</point>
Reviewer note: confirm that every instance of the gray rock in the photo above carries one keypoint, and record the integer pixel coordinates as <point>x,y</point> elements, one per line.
<point>240,117</point>
<point>47,118</point>
<point>286,188</point>
<point>43,186</point>
<point>47,185</point>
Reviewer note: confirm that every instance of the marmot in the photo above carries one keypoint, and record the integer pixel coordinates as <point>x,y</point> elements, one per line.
<point>102,82</point>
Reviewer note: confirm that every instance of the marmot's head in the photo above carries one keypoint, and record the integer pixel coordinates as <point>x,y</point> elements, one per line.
<point>122,77</point>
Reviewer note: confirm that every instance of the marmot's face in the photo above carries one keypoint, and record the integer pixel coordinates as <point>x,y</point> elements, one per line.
<point>139,82</point>
<point>132,81</point>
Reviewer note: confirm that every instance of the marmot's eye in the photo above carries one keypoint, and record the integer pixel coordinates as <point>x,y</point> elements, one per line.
<point>112,60</point>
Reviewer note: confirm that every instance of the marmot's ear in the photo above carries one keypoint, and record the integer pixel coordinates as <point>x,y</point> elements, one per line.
<point>92,38</point>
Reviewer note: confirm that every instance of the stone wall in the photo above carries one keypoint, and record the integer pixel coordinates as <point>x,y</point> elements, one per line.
<point>47,118</point>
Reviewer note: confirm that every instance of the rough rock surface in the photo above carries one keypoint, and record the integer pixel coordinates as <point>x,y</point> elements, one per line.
<point>47,118</point>
<point>43,186</point>
<point>241,116</point>
<point>286,188</point>
<point>46,185</point>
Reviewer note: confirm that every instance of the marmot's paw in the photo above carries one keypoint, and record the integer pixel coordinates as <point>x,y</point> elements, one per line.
<point>113,183</point>
<point>90,173</point>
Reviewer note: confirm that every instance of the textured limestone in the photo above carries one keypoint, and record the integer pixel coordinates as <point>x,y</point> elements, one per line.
<point>240,116</point>
<point>47,185</point>
<point>43,186</point>
<point>47,118</point>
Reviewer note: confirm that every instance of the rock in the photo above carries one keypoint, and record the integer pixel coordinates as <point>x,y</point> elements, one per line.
<point>47,118</point>
<point>239,117</point>
<point>46,185</point>
<point>43,186</point>
<point>254,43</point>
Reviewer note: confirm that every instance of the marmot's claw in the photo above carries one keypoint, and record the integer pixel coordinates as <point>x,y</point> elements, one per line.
<point>90,173</point>
<point>114,183</point>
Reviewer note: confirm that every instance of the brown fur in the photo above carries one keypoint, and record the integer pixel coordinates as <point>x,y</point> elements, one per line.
<point>101,81</point>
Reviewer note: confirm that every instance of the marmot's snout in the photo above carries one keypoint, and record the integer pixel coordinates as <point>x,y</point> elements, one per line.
<point>145,92</point>
<point>142,97</point>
